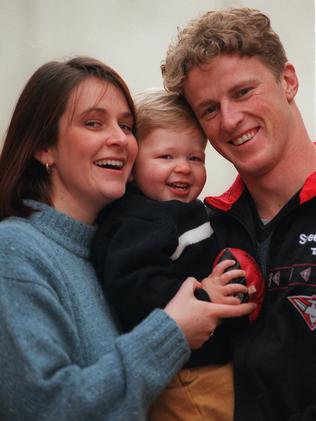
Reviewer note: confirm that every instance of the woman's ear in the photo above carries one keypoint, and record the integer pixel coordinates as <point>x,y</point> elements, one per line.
<point>44,157</point>
<point>289,81</point>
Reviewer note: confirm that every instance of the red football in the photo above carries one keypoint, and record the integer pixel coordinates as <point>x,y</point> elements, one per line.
<point>253,280</point>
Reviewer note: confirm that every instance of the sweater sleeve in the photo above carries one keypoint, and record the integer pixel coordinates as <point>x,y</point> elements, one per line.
<point>134,265</point>
<point>61,357</point>
<point>41,378</point>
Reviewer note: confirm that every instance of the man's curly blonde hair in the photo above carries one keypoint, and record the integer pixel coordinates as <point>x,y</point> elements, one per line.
<point>242,31</point>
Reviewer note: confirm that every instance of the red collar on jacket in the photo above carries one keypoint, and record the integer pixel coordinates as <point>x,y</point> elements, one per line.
<point>226,201</point>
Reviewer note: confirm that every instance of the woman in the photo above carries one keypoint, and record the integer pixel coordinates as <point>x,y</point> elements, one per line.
<point>68,152</point>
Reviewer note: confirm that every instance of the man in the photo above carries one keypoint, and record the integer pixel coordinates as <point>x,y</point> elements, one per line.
<point>232,69</point>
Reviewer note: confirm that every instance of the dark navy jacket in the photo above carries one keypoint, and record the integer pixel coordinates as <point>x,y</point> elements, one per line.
<point>275,359</point>
<point>144,250</point>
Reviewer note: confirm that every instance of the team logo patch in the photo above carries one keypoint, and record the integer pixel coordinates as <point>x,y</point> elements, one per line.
<point>274,279</point>
<point>305,274</point>
<point>306,306</point>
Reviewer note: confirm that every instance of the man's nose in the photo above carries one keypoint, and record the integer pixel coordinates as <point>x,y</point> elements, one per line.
<point>231,116</point>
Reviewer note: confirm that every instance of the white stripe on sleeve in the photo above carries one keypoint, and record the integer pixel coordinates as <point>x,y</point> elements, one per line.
<point>193,236</point>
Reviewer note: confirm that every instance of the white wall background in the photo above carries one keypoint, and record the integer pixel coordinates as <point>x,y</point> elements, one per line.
<point>132,36</point>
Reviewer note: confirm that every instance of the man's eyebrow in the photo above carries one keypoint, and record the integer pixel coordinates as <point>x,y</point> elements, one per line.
<point>242,84</point>
<point>209,101</point>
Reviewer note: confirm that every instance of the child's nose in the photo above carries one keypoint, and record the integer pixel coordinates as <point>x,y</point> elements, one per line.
<point>183,167</point>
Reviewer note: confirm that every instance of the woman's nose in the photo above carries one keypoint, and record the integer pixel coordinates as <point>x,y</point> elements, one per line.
<point>116,136</point>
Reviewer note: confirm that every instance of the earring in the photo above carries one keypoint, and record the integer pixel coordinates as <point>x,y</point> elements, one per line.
<point>48,168</point>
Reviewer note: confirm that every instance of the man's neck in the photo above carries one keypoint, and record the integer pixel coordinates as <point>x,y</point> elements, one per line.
<point>273,190</point>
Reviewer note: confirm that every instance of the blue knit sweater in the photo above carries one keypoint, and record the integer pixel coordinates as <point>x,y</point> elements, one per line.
<point>61,357</point>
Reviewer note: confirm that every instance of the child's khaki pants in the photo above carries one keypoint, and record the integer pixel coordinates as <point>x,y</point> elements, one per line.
<point>196,394</point>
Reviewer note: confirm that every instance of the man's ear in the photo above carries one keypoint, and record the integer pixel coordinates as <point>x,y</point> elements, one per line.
<point>289,81</point>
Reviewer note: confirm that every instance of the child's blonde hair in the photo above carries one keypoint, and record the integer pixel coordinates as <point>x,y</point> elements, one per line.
<point>159,109</point>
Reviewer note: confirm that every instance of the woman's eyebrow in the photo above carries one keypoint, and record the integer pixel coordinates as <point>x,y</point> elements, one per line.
<point>100,110</point>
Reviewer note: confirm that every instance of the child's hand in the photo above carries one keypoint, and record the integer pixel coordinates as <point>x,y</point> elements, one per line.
<point>198,319</point>
<point>218,285</point>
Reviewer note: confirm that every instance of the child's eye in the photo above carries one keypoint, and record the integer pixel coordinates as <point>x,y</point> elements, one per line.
<point>166,156</point>
<point>196,158</point>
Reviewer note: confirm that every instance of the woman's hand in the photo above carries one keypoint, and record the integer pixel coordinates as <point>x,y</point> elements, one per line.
<point>198,319</point>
